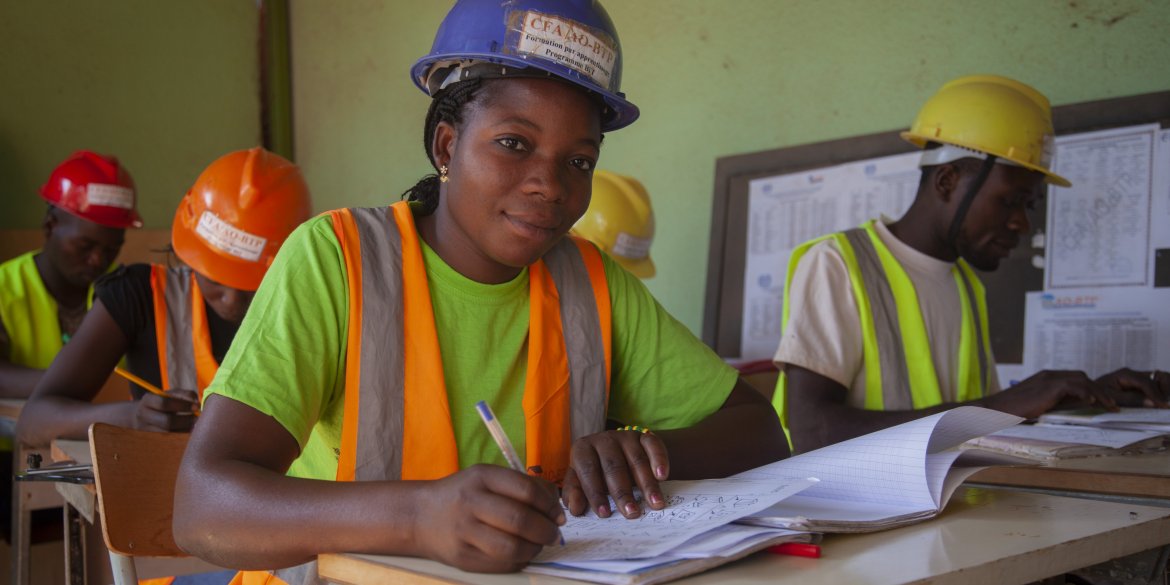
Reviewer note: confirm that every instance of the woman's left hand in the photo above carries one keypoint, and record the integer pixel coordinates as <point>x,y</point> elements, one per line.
<point>613,464</point>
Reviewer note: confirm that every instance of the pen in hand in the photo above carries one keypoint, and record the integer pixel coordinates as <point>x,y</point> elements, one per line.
<point>501,438</point>
<point>146,385</point>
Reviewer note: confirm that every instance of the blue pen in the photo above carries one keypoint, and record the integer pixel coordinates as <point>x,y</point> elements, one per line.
<point>497,431</point>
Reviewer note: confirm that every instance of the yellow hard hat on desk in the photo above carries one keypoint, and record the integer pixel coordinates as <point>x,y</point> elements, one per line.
<point>620,221</point>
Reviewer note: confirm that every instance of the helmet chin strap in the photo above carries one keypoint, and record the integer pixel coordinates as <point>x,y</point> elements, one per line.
<point>968,199</point>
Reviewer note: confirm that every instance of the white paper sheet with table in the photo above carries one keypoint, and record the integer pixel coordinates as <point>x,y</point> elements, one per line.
<point>1097,330</point>
<point>1099,229</point>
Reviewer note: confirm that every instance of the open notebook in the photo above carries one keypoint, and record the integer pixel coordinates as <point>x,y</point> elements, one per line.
<point>691,535</point>
<point>889,478</point>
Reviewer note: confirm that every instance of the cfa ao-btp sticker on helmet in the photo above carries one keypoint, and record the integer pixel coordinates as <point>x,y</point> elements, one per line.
<point>587,50</point>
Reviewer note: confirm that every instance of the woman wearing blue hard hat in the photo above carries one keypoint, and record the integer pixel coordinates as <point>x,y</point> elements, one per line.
<point>377,332</point>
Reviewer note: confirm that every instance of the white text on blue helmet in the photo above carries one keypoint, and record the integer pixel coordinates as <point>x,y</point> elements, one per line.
<point>572,44</point>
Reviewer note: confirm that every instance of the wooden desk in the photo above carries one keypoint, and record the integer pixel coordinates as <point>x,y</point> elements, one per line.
<point>984,536</point>
<point>83,497</point>
<point>10,408</point>
<point>26,497</point>
<point>1142,476</point>
<point>80,504</point>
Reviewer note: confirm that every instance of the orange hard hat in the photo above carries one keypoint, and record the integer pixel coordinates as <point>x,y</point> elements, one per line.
<point>240,210</point>
<point>94,187</point>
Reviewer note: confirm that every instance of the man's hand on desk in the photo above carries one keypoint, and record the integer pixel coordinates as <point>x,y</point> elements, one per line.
<point>487,519</point>
<point>1051,389</point>
<point>174,413</point>
<point>1133,388</point>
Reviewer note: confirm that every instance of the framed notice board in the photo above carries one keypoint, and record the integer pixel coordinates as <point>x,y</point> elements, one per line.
<point>725,317</point>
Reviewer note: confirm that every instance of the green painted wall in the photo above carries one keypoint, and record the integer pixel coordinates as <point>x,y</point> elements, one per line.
<point>165,86</point>
<point>715,78</point>
<point>169,86</point>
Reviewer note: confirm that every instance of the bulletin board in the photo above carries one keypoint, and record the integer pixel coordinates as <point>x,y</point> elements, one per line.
<point>738,325</point>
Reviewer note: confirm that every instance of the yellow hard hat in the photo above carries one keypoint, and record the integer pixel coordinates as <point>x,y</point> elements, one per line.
<point>993,115</point>
<point>620,221</point>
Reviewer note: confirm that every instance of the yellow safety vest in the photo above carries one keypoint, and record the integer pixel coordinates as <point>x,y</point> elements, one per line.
<point>29,313</point>
<point>899,365</point>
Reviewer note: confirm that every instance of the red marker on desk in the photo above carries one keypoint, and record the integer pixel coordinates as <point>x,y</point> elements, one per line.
<point>796,549</point>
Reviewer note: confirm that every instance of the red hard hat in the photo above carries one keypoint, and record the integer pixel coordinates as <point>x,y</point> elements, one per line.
<point>94,187</point>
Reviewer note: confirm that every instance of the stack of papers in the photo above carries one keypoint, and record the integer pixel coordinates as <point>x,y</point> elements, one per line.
<point>1137,419</point>
<point>691,535</point>
<point>1048,442</point>
<point>717,547</point>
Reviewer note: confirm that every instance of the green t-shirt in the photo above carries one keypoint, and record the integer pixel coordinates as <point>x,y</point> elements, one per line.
<point>288,358</point>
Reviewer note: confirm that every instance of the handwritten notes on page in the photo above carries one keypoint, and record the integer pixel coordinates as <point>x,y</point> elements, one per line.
<point>693,508</point>
<point>710,549</point>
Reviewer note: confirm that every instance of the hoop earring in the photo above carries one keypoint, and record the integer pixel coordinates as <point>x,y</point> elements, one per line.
<point>443,178</point>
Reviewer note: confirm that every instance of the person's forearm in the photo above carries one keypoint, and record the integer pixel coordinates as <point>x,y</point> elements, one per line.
<point>18,381</point>
<point>54,417</point>
<point>239,515</point>
<point>745,433</point>
<point>831,423</point>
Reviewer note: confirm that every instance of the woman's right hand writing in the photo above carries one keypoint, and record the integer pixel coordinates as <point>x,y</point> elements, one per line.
<point>173,413</point>
<point>487,519</point>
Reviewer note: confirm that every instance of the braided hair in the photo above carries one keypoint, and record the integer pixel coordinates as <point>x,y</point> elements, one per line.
<point>447,106</point>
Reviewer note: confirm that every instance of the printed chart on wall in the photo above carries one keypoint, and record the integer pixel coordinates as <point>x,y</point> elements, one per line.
<point>787,210</point>
<point>1106,302</point>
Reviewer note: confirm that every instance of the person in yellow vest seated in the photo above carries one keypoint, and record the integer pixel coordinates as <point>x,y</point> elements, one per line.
<point>620,221</point>
<point>887,322</point>
<point>344,418</point>
<point>44,294</point>
<point>175,324</point>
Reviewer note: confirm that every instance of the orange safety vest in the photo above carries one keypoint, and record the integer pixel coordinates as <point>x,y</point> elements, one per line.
<point>185,359</point>
<point>566,387</point>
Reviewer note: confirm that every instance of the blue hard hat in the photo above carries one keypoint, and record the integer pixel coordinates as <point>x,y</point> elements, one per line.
<point>573,40</point>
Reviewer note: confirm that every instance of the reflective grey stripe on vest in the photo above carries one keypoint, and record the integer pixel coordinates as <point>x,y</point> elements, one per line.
<point>380,420</point>
<point>383,366</point>
<point>978,326</point>
<point>305,574</point>
<point>582,331</point>
<point>884,310</point>
<point>180,344</point>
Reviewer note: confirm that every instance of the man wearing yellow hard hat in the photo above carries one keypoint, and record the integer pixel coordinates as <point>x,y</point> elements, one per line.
<point>620,221</point>
<point>887,322</point>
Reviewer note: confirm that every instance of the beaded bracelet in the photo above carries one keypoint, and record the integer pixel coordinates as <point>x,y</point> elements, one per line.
<point>635,428</point>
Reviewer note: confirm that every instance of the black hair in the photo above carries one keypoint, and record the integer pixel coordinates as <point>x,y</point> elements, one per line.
<point>447,106</point>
